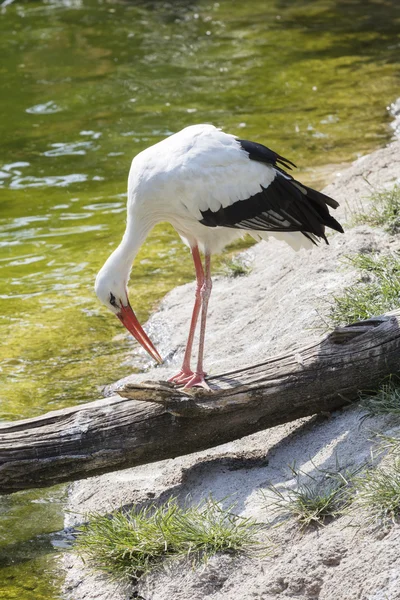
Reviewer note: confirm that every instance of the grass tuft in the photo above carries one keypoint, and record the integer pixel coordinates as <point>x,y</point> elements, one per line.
<point>376,292</point>
<point>383,211</point>
<point>232,267</point>
<point>390,444</point>
<point>128,545</point>
<point>377,494</point>
<point>314,499</point>
<point>386,401</point>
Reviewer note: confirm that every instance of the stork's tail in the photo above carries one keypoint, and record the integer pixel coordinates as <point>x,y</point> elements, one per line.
<point>316,215</point>
<point>320,202</point>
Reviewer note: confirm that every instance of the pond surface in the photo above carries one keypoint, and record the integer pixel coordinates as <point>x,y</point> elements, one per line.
<point>87,84</point>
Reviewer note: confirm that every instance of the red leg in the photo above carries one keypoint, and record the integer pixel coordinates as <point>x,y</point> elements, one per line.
<point>198,378</point>
<point>185,374</point>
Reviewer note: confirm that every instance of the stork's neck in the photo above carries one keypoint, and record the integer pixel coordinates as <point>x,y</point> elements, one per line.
<point>118,266</point>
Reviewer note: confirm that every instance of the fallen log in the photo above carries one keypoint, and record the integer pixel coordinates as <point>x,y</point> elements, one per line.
<point>151,421</point>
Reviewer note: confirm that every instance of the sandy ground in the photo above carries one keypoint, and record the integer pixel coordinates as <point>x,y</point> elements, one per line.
<point>277,307</point>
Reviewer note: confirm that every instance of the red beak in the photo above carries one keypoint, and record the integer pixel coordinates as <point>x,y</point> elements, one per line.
<point>129,320</point>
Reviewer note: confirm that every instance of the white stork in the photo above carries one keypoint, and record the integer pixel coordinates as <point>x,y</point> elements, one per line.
<point>213,188</point>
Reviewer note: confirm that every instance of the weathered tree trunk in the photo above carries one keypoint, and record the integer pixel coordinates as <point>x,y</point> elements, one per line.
<point>153,421</point>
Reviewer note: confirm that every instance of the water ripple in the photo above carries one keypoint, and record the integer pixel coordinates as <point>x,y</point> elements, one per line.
<point>69,148</point>
<point>25,221</point>
<point>47,108</point>
<point>26,260</point>
<point>19,183</point>
<point>75,216</point>
<point>106,207</point>
<point>93,134</point>
<point>14,166</point>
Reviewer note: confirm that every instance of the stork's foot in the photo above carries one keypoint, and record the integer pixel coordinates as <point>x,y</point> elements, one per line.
<point>198,380</point>
<point>184,376</point>
<point>188,379</point>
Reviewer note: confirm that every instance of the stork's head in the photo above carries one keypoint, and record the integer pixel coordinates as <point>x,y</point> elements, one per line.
<point>112,292</point>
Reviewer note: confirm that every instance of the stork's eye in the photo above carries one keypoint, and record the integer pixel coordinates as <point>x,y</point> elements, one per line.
<point>113,301</point>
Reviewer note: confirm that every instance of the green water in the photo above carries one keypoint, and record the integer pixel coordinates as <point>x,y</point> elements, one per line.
<point>87,84</point>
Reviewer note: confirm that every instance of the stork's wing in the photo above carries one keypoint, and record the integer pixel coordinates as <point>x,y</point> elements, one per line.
<point>283,205</point>
<point>263,154</point>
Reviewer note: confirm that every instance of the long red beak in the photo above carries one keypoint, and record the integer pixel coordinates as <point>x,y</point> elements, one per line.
<point>129,320</point>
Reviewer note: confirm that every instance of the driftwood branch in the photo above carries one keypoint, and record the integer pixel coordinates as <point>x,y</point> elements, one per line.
<point>151,421</point>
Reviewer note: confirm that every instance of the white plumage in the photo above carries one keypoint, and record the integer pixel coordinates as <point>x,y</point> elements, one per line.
<point>197,169</point>
<point>213,188</point>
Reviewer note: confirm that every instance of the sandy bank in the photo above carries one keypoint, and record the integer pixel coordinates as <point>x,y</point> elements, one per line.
<point>277,307</point>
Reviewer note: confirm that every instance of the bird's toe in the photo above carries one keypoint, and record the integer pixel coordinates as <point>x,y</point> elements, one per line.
<point>198,380</point>
<point>181,377</point>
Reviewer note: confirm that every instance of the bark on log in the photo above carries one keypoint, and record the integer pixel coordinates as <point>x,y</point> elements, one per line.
<point>152,421</point>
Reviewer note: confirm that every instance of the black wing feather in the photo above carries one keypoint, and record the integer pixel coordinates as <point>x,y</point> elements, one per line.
<point>261,153</point>
<point>285,205</point>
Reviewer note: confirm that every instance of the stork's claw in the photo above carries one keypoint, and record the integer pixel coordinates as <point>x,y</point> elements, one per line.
<point>189,379</point>
<point>198,380</point>
<point>182,377</point>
